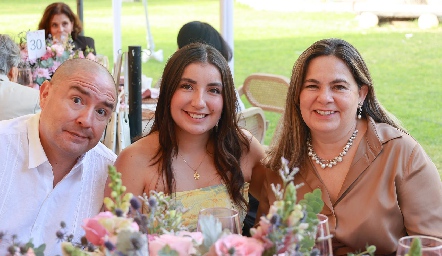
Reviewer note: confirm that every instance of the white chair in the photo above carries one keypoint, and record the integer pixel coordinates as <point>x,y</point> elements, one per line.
<point>253,120</point>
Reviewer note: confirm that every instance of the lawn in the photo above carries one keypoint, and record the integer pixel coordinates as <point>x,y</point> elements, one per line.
<point>405,62</point>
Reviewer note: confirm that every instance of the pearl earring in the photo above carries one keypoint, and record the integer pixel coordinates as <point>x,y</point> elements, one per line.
<point>360,110</point>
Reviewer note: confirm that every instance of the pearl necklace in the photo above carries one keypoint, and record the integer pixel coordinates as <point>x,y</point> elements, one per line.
<point>330,163</point>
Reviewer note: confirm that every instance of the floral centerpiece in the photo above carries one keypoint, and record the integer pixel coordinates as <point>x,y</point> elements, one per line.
<point>57,52</point>
<point>288,229</point>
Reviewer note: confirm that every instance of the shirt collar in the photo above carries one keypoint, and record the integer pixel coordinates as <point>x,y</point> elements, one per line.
<point>37,155</point>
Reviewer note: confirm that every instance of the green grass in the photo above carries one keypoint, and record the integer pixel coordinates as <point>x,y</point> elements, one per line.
<point>406,72</point>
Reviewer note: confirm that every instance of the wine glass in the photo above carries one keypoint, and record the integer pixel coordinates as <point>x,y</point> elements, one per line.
<point>229,218</point>
<point>323,238</point>
<point>24,77</point>
<point>430,245</point>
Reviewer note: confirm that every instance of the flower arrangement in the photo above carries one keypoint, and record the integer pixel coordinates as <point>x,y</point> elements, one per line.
<point>57,52</point>
<point>288,229</point>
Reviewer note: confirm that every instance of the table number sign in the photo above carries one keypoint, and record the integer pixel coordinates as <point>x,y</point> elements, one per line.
<point>36,44</point>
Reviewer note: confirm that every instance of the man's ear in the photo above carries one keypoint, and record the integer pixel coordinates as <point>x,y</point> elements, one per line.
<point>44,92</point>
<point>12,74</point>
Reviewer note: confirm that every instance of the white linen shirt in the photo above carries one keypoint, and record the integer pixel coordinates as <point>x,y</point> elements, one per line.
<point>30,206</point>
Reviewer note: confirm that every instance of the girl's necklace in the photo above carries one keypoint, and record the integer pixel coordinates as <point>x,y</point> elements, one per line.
<point>196,175</point>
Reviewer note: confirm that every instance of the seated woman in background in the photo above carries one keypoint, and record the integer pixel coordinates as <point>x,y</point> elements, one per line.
<point>195,151</point>
<point>377,182</point>
<point>202,32</point>
<point>60,21</point>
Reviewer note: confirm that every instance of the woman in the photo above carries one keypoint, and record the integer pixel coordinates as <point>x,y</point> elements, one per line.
<point>382,185</point>
<point>60,21</point>
<point>195,151</point>
<point>197,31</point>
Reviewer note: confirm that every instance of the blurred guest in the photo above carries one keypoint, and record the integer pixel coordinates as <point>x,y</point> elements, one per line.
<point>61,22</point>
<point>202,32</point>
<point>53,167</point>
<point>377,182</point>
<point>15,99</point>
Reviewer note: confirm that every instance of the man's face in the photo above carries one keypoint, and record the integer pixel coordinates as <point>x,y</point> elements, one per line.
<point>75,112</point>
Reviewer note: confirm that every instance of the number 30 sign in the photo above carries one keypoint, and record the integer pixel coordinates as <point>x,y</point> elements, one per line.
<point>36,44</point>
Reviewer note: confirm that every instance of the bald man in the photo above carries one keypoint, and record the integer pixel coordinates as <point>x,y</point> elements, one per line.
<point>52,166</point>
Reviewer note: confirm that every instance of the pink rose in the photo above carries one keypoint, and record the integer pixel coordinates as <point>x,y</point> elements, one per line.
<point>95,232</point>
<point>196,236</point>
<point>41,72</point>
<point>48,54</point>
<point>90,56</point>
<point>238,244</point>
<point>183,245</point>
<point>58,49</point>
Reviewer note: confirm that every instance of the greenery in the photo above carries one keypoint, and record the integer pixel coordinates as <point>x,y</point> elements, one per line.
<point>404,60</point>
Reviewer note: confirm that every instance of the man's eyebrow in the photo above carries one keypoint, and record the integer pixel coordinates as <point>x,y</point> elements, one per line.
<point>83,91</point>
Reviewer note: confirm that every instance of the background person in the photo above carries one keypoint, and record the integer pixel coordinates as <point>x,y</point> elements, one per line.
<point>195,151</point>
<point>202,32</point>
<point>15,99</point>
<point>60,21</point>
<point>382,186</point>
<point>53,167</point>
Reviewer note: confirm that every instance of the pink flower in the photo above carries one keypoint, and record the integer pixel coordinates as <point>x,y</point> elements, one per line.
<point>41,72</point>
<point>95,232</point>
<point>48,54</point>
<point>238,244</point>
<point>90,56</point>
<point>261,232</point>
<point>80,54</point>
<point>54,67</point>
<point>58,49</point>
<point>183,245</point>
<point>196,236</point>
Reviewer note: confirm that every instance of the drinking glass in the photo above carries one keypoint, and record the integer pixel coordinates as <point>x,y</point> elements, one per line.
<point>430,245</point>
<point>323,238</point>
<point>24,77</point>
<point>229,218</point>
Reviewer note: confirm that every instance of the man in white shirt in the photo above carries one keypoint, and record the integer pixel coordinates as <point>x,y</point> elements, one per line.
<point>52,166</point>
<point>15,99</point>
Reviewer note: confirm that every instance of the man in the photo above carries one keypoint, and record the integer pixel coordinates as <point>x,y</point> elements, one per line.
<point>52,166</point>
<point>15,99</point>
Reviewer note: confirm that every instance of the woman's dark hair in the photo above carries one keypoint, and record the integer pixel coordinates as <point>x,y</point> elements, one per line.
<point>60,8</point>
<point>197,31</point>
<point>228,139</point>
